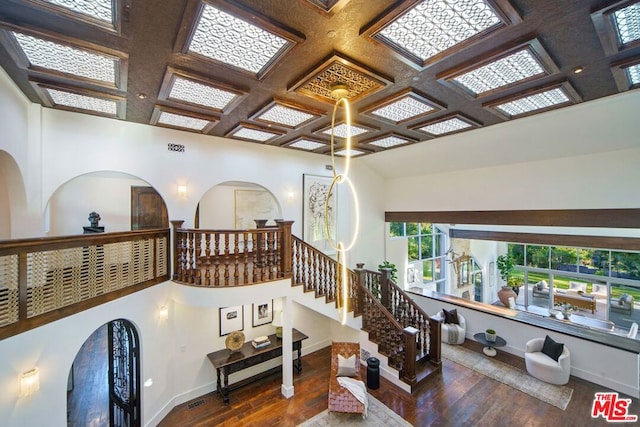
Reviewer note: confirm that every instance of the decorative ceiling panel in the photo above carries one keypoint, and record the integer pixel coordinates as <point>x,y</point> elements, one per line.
<point>248,132</point>
<point>538,100</point>
<point>360,80</point>
<point>183,120</point>
<point>80,100</point>
<point>507,67</point>
<point>190,90</point>
<point>353,152</point>
<point>341,130</point>
<point>446,125</point>
<point>627,74</point>
<point>404,106</point>
<point>233,35</point>
<point>388,141</point>
<point>286,114</point>
<point>306,143</point>
<point>618,26</point>
<point>38,53</point>
<point>97,12</point>
<point>425,31</point>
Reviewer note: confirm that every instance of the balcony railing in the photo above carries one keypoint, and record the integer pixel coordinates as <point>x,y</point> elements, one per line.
<point>46,279</point>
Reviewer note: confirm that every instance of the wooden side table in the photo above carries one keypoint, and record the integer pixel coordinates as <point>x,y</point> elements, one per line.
<point>490,349</point>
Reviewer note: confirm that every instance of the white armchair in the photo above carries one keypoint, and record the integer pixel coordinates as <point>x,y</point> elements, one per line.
<point>543,367</point>
<point>452,333</point>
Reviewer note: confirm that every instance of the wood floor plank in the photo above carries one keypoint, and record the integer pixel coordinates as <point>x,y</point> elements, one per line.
<point>458,396</point>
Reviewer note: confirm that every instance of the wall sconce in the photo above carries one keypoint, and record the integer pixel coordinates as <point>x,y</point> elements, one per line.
<point>163,312</point>
<point>291,196</point>
<point>182,191</point>
<point>29,382</point>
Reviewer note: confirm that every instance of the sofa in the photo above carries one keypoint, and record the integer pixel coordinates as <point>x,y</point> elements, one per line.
<point>599,291</point>
<point>623,304</point>
<point>541,289</point>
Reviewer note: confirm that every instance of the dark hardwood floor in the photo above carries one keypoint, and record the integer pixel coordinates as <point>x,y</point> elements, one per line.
<point>457,397</point>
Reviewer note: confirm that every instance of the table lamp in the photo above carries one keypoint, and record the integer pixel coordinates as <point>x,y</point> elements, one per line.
<point>277,322</point>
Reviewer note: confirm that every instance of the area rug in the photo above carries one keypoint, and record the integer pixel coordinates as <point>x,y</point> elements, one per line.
<point>558,396</point>
<point>378,415</point>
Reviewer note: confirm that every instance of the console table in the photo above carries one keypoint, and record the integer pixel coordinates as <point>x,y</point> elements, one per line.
<point>227,362</point>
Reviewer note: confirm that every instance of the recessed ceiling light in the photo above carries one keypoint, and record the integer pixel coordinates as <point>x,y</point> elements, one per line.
<point>225,38</point>
<point>331,33</point>
<point>182,121</point>
<point>534,102</point>
<point>142,95</point>
<point>82,102</point>
<point>66,59</point>
<point>578,70</point>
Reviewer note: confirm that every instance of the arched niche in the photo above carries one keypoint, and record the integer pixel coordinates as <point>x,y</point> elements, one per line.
<point>235,204</point>
<point>111,194</point>
<point>12,194</point>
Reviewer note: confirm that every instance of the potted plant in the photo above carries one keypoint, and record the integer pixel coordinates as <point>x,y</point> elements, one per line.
<point>392,267</point>
<point>490,335</point>
<point>505,265</point>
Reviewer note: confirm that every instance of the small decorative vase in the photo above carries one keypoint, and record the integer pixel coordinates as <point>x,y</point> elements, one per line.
<point>504,293</point>
<point>566,314</point>
<point>490,337</point>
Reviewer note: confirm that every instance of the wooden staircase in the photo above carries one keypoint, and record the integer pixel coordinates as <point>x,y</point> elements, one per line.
<point>403,332</point>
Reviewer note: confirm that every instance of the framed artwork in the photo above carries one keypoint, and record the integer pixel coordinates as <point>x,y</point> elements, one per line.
<point>262,313</point>
<point>315,192</point>
<point>254,204</point>
<point>231,319</point>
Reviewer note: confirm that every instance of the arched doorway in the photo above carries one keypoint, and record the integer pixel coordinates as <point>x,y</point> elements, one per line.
<point>104,380</point>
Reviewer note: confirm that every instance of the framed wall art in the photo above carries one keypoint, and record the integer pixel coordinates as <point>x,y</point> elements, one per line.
<point>254,204</point>
<point>262,313</point>
<point>231,319</point>
<point>314,231</point>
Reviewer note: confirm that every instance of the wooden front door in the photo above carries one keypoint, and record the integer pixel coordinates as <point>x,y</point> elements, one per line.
<point>147,209</point>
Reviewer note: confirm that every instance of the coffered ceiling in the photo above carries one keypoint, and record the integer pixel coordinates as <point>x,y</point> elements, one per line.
<point>262,70</point>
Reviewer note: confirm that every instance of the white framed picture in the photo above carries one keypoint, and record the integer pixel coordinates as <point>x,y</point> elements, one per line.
<point>262,313</point>
<point>231,319</point>
<point>314,229</point>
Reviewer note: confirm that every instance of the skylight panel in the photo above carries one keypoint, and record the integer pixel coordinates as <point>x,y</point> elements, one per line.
<point>353,152</point>
<point>285,115</point>
<point>82,102</point>
<point>200,94</point>
<point>305,144</point>
<point>98,9</point>
<point>225,38</point>
<point>389,141</point>
<point>253,134</point>
<point>534,102</point>
<point>627,22</point>
<point>446,126</point>
<point>403,109</point>
<point>634,74</point>
<point>513,68</point>
<point>178,120</point>
<point>67,59</point>
<point>433,26</point>
<point>341,130</point>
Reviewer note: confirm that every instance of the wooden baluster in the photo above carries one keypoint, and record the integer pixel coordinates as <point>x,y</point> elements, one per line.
<point>216,259</point>
<point>198,262</point>
<point>207,253</point>
<point>256,260</point>
<point>236,254</point>
<point>177,247</point>
<point>226,259</point>
<point>245,256</point>
<point>192,257</point>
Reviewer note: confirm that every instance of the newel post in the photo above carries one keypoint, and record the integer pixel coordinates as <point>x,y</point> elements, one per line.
<point>384,286</point>
<point>286,247</point>
<point>175,225</point>
<point>435,349</point>
<point>409,371</point>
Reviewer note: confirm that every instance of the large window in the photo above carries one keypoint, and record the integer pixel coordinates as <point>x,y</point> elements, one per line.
<point>425,252</point>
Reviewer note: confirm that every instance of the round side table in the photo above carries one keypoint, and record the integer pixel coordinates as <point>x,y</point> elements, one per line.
<point>490,349</point>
